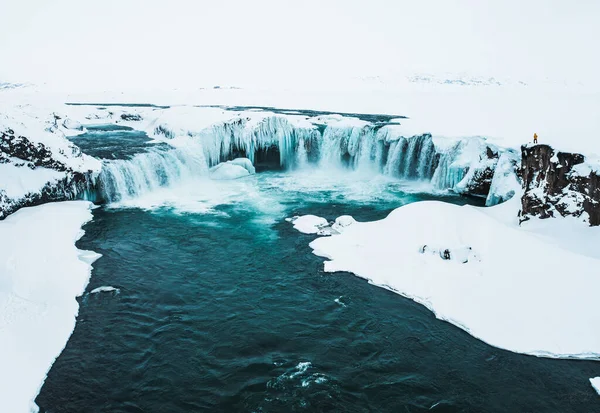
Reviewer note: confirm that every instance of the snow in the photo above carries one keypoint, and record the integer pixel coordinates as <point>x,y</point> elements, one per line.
<point>591,164</point>
<point>596,384</point>
<point>516,290</point>
<point>18,181</point>
<point>343,222</point>
<point>227,171</point>
<point>41,273</point>
<point>308,224</point>
<point>35,120</point>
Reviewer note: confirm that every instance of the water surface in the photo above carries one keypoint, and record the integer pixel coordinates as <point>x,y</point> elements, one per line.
<point>223,307</point>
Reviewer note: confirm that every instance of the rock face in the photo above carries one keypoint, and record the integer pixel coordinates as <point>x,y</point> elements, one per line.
<point>555,185</point>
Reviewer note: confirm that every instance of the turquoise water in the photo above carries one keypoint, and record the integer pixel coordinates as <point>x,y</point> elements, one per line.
<point>223,307</point>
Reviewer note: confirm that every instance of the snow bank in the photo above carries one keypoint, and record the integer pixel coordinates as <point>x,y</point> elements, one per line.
<point>41,273</point>
<point>521,292</point>
<point>596,384</point>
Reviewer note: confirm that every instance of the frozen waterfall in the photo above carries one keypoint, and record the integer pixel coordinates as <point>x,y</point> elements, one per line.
<point>275,142</point>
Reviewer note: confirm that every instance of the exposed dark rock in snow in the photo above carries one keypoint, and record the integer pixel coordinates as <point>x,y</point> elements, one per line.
<point>131,117</point>
<point>36,154</point>
<point>462,254</point>
<point>554,188</point>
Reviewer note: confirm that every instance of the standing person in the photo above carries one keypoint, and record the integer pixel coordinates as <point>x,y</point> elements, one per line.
<point>534,138</point>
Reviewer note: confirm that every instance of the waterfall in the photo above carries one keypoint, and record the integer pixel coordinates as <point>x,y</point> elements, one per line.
<point>145,172</point>
<point>276,142</point>
<point>449,173</point>
<point>301,155</point>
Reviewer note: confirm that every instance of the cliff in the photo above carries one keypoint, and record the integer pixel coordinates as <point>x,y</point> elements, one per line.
<point>558,184</point>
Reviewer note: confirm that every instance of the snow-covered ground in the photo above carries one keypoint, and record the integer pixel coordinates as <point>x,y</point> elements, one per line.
<point>516,288</point>
<point>562,117</point>
<point>41,273</point>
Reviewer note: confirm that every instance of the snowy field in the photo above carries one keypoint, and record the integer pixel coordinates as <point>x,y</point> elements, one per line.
<point>563,117</point>
<point>41,274</point>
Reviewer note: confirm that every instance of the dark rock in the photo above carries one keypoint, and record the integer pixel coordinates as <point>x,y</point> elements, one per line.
<point>481,183</point>
<point>551,189</point>
<point>37,154</point>
<point>131,117</point>
<point>491,154</point>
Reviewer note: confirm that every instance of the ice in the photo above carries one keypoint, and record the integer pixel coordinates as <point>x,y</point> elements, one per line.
<point>308,224</point>
<point>105,289</point>
<point>227,171</point>
<point>505,182</point>
<point>245,163</point>
<point>550,289</point>
<point>596,384</point>
<point>41,273</point>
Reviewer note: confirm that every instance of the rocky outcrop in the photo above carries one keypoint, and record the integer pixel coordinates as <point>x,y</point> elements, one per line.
<point>556,184</point>
<point>35,154</point>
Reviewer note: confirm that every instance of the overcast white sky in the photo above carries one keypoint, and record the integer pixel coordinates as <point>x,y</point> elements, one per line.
<point>176,43</point>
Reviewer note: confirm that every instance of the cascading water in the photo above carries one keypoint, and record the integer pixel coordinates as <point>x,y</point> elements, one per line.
<point>301,155</point>
<point>284,144</point>
<point>145,172</point>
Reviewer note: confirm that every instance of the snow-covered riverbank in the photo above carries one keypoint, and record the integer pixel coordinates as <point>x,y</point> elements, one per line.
<point>515,288</point>
<point>41,274</point>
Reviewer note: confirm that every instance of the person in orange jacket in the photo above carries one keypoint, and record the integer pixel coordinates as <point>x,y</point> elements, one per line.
<point>534,137</point>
